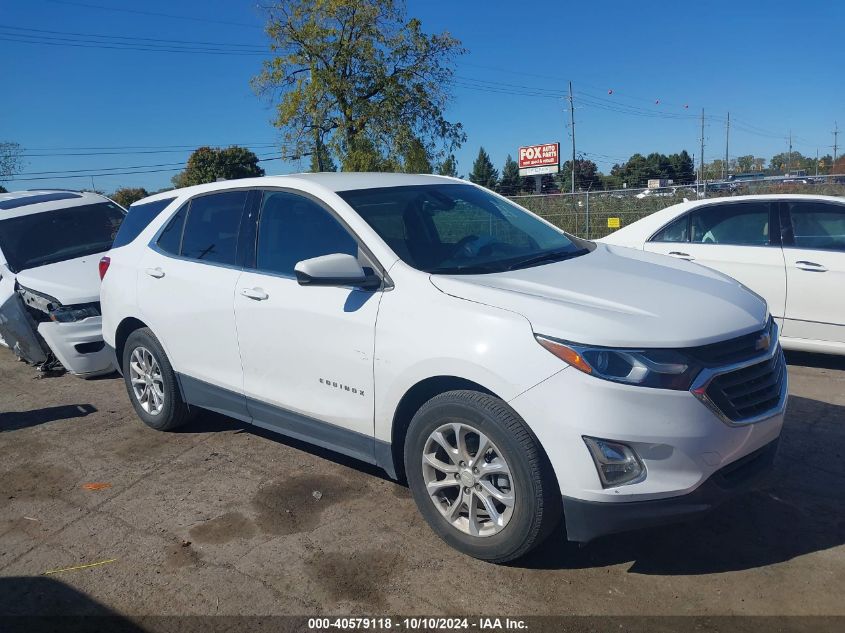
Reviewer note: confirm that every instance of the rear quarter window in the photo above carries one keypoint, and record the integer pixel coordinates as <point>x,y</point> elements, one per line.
<point>137,219</point>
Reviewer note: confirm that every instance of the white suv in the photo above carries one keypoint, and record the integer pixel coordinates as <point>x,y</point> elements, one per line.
<point>511,372</point>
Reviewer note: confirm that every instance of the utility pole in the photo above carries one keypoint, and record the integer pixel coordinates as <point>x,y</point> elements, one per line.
<point>572,125</point>
<point>727,142</point>
<point>701,157</point>
<point>835,146</point>
<point>789,156</point>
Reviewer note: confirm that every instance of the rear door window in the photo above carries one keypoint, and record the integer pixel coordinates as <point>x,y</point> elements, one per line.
<point>817,225</point>
<point>738,223</point>
<point>211,227</point>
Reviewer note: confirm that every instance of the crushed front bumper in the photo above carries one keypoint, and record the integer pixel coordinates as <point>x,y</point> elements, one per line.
<point>79,346</point>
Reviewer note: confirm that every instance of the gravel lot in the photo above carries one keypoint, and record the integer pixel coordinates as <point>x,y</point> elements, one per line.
<point>223,519</point>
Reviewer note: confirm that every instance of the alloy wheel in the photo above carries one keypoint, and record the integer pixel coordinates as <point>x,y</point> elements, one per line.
<point>147,381</point>
<point>468,479</point>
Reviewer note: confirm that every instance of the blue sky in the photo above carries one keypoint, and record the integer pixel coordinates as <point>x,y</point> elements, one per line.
<point>774,65</point>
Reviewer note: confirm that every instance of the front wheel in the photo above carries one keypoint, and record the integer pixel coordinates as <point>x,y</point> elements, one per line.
<point>479,477</point>
<point>151,383</point>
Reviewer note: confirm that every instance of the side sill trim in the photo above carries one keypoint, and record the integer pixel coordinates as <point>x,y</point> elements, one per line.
<point>363,447</point>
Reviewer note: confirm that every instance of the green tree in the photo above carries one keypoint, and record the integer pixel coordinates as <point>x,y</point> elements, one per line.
<point>415,157</point>
<point>825,163</point>
<point>127,195</point>
<point>358,72</point>
<point>11,159</point>
<point>209,164</point>
<point>321,158</point>
<point>449,167</point>
<point>483,173</point>
<point>587,177</point>
<point>782,162</point>
<point>363,156</point>
<point>745,163</point>
<point>683,168</point>
<point>511,181</point>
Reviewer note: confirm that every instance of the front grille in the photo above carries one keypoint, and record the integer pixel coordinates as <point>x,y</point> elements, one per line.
<point>735,350</point>
<point>750,391</point>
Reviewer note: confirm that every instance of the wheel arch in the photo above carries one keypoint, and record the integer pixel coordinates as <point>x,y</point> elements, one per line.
<point>124,329</point>
<point>414,398</point>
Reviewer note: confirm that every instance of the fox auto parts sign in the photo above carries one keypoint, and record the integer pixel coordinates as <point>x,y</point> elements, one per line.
<point>539,159</point>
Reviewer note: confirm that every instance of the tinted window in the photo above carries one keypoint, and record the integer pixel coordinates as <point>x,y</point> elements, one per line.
<point>170,240</point>
<point>53,236</point>
<point>452,228</point>
<point>26,200</point>
<point>818,225</point>
<point>211,228</point>
<point>678,231</point>
<point>292,228</point>
<point>137,219</point>
<point>744,223</point>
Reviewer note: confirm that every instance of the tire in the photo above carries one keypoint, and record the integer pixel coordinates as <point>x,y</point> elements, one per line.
<point>170,412</point>
<point>535,503</point>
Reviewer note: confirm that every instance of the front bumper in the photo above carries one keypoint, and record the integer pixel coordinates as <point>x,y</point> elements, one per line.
<point>684,446</point>
<point>588,520</point>
<point>79,346</point>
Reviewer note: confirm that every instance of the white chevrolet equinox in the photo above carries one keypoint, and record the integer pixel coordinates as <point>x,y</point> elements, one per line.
<point>512,373</point>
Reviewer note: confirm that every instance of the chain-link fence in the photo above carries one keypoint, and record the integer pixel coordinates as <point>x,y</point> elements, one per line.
<point>596,214</point>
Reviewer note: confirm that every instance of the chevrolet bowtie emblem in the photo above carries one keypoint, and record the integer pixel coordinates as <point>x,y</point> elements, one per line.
<point>763,342</point>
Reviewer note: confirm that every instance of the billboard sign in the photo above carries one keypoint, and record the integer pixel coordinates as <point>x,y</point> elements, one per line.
<point>539,159</point>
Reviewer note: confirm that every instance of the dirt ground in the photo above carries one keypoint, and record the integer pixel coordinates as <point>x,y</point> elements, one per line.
<point>222,519</point>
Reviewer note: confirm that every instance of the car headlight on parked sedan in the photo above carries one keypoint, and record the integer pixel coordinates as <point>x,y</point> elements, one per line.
<point>659,368</point>
<point>69,314</point>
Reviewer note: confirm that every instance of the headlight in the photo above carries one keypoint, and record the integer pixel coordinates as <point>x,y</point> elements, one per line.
<point>68,314</point>
<point>659,368</point>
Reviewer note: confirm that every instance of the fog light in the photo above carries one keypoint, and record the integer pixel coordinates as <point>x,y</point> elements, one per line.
<point>616,463</point>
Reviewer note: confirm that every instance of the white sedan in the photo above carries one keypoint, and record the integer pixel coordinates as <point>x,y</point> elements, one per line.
<point>788,248</point>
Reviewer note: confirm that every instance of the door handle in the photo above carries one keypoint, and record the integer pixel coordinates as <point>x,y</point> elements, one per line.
<point>680,255</point>
<point>158,273</point>
<point>810,266</point>
<point>255,293</point>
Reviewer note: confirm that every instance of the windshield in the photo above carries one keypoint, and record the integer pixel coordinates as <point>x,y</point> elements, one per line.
<point>44,238</point>
<point>460,229</point>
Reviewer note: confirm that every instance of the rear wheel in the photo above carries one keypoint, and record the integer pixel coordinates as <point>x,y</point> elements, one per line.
<point>151,382</point>
<point>478,476</point>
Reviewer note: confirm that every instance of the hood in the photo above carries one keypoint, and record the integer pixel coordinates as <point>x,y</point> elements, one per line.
<point>70,282</point>
<point>619,297</point>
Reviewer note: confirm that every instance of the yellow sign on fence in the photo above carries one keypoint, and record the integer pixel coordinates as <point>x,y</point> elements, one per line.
<point>613,223</point>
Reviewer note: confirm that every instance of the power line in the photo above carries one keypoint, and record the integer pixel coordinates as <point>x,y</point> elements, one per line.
<point>139,169</point>
<point>134,39</point>
<point>56,41</point>
<point>192,18</point>
<point>132,152</point>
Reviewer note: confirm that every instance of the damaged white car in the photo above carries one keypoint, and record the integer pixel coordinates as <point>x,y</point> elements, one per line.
<point>50,246</point>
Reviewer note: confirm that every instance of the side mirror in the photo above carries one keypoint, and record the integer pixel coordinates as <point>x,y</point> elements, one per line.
<point>337,269</point>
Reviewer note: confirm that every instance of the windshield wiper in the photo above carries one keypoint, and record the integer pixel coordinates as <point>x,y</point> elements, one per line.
<point>553,256</point>
<point>463,270</point>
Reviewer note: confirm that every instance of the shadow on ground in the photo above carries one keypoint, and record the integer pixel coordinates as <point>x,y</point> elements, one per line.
<point>23,419</point>
<point>797,511</point>
<point>822,361</point>
<point>35,603</point>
